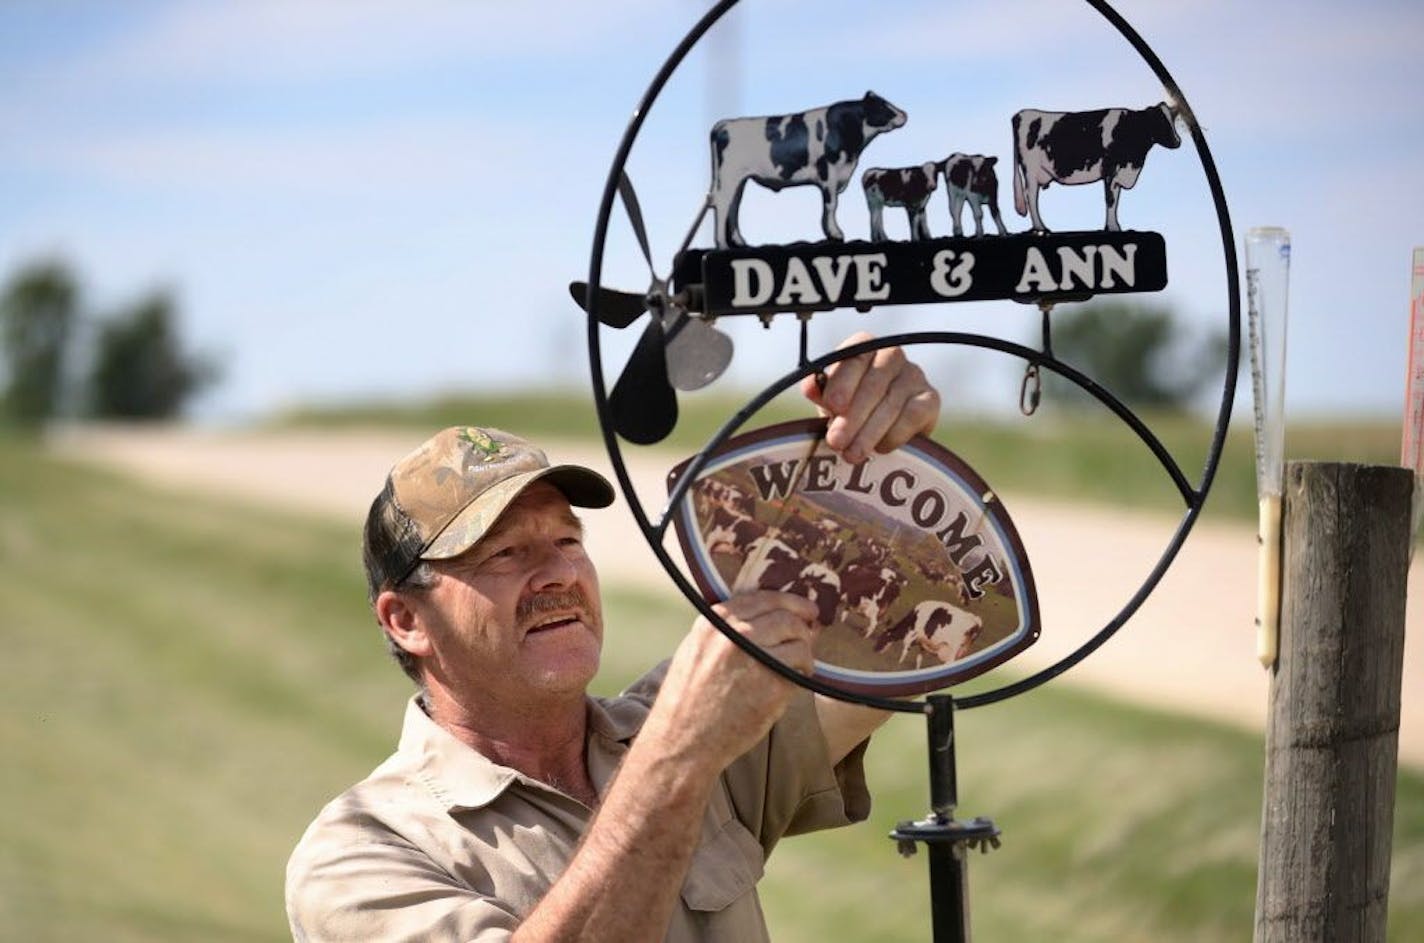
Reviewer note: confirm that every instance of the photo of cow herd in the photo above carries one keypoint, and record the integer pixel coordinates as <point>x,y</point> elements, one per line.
<point>889,594</point>
<point>821,147</point>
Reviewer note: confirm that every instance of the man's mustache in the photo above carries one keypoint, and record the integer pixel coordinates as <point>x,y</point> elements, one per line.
<point>552,602</point>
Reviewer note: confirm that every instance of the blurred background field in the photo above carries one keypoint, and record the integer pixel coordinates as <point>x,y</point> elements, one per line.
<point>1060,452</point>
<point>191,678</point>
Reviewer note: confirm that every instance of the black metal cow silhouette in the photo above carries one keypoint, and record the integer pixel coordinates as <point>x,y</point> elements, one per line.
<point>1074,147</point>
<point>819,147</point>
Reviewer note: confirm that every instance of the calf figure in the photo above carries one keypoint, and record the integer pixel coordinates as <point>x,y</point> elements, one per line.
<point>970,178</point>
<point>907,187</point>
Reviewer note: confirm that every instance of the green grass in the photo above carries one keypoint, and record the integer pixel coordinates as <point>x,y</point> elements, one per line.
<point>1056,453</point>
<point>188,681</point>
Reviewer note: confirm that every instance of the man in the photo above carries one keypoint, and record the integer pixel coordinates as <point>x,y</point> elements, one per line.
<point>519,808</point>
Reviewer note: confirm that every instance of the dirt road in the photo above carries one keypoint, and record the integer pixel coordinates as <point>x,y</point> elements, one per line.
<point>1191,647</point>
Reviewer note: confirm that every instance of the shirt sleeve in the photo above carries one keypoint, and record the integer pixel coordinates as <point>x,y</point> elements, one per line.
<point>344,884</point>
<point>787,785</point>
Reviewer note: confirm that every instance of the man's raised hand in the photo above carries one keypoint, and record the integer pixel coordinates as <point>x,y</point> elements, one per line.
<point>876,401</point>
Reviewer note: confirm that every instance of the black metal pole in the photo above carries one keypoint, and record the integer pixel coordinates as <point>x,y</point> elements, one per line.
<point>949,885</point>
<point>944,782</point>
<point>949,841</point>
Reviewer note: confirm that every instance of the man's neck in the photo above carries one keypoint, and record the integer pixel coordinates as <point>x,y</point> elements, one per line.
<point>543,741</point>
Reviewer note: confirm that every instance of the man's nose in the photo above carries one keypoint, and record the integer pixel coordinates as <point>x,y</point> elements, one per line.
<point>555,567</point>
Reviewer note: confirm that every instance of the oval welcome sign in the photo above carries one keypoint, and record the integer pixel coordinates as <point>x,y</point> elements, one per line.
<point>919,576</point>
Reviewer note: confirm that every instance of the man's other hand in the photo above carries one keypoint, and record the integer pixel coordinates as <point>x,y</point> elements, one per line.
<point>876,401</point>
<point>722,700</point>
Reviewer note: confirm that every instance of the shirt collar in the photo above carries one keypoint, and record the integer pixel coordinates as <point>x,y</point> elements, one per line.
<point>460,777</point>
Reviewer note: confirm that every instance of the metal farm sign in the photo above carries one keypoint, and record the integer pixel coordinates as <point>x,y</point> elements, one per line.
<point>1023,267</point>
<point>916,569</point>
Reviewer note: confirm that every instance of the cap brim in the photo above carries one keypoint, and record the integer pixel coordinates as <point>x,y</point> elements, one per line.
<point>584,488</point>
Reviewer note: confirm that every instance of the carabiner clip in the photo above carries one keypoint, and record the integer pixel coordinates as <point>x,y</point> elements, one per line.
<point>1031,391</point>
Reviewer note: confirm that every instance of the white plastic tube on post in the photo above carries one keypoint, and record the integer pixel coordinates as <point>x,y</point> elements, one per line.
<point>1412,455</point>
<point>1267,292</point>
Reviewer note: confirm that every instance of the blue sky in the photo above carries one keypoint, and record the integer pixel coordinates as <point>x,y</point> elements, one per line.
<point>357,199</point>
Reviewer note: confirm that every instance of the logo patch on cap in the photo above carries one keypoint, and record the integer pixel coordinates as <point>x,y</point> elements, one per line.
<point>478,440</point>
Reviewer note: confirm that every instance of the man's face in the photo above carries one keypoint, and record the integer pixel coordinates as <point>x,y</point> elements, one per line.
<point>518,615</point>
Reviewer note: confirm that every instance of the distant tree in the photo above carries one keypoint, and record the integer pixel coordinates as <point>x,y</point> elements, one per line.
<point>139,369</point>
<point>1140,353</point>
<point>37,314</point>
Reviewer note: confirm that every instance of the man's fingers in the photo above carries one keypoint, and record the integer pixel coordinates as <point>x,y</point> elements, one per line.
<point>876,401</point>
<point>781,624</point>
<point>781,628</point>
<point>917,416</point>
<point>776,629</point>
<point>761,602</point>
<point>843,378</point>
<point>910,407</point>
<point>875,385</point>
<point>796,655</point>
<point>878,424</point>
<point>811,389</point>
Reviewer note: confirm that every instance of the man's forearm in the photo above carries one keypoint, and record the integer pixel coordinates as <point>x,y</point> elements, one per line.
<point>624,881</point>
<point>715,704</point>
<point>845,725</point>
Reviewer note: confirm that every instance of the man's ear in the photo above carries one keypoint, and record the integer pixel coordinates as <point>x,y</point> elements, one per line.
<point>402,623</point>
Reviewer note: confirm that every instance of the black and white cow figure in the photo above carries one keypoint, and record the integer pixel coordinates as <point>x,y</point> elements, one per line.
<point>818,583</point>
<point>934,628</point>
<point>819,147</point>
<point>907,187</point>
<point>1076,147</point>
<point>771,564</point>
<point>970,178</point>
<point>711,493</point>
<point>732,532</point>
<point>869,591</point>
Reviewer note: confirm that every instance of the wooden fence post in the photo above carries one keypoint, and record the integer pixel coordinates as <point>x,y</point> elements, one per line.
<point>1332,737</point>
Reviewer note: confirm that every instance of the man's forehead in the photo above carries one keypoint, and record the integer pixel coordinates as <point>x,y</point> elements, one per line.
<point>540,498</point>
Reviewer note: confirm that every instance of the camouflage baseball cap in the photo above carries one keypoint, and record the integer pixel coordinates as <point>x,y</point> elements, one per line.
<point>442,498</point>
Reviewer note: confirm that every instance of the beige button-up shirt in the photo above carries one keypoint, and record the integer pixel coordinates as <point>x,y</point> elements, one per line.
<point>440,843</point>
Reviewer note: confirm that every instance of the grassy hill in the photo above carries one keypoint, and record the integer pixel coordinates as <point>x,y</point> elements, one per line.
<point>189,680</point>
<point>1058,452</point>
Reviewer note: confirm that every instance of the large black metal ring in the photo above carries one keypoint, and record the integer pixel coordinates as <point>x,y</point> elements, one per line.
<point>1194,497</point>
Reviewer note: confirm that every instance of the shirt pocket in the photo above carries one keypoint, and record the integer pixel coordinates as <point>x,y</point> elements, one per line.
<point>728,863</point>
